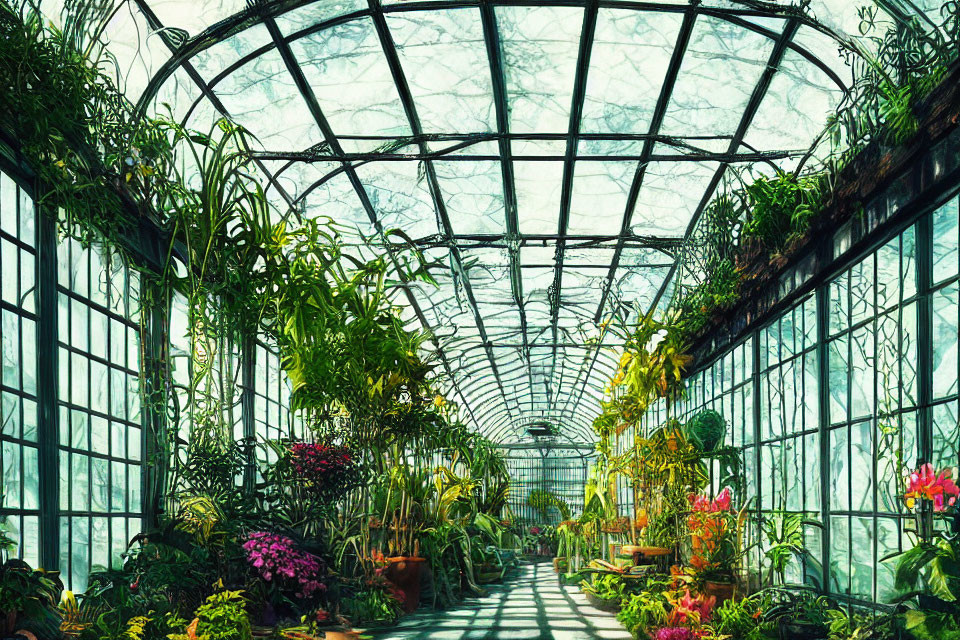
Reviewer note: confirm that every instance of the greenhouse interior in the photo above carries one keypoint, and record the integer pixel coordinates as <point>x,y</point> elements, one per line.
<point>479,319</point>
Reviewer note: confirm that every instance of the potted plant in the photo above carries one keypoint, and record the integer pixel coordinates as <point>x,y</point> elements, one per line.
<point>716,542</point>
<point>801,616</point>
<point>931,569</point>
<point>604,592</point>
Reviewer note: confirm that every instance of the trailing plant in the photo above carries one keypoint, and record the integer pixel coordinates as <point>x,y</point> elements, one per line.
<point>651,367</point>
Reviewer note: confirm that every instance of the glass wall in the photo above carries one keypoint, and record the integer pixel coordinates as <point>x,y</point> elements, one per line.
<point>563,473</point>
<point>840,381</point>
<point>97,443</point>
<point>100,442</point>
<point>19,480</point>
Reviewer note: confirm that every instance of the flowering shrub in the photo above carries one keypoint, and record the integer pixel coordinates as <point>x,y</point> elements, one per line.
<point>926,484</point>
<point>713,533</point>
<point>280,563</point>
<point>326,470</point>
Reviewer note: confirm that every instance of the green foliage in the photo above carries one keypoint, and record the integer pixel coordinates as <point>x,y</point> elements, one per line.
<point>706,430</point>
<point>930,625</point>
<point>646,610</point>
<point>32,594</point>
<point>222,617</point>
<point>780,209</point>
<point>609,587</point>
<point>543,501</point>
<point>937,562</point>
<point>374,602</point>
<point>741,619</point>
<point>784,533</point>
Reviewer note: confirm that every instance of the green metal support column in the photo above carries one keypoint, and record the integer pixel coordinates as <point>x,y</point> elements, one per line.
<point>154,352</point>
<point>248,356</point>
<point>755,419</point>
<point>47,376</point>
<point>924,231</point>
<point>823,405</point>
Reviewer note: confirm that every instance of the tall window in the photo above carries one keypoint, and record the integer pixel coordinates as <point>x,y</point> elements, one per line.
<point>19,481</point>
<point>100,440</point>
<point>872,354</point>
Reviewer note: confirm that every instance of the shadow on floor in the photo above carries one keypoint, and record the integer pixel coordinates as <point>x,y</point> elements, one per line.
<point>527,607</point>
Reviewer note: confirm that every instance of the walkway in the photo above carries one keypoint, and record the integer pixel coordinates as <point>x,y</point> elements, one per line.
<point>529,606</point>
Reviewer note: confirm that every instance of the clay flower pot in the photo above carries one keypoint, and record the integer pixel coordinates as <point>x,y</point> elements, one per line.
<point>722,591</point>
<point>404,573</point>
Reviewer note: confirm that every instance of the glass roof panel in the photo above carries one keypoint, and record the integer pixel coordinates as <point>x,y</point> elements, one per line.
<point>196,15</point>
<point>445,63</point>
<point>315,13</point>
<point>473,192</point>
<point>600,191</point>
<point>539,49</point>
<point>600,257</point>
<point>631,53</point>
<point>638,286</point>
<point>538,185</point>
<point>211,62</point>
<point>176,96</point>
<point>336,198</point>
<point>443,58</point>
<point>137,51</point>
<point>669,196</point>
<point>348,72</point>
<point>710,95</point>
<point>536,279</point>
<point>798,90</point>
<point>264,86</point>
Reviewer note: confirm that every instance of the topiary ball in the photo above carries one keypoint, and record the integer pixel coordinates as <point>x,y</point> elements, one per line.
<point>706,430</point>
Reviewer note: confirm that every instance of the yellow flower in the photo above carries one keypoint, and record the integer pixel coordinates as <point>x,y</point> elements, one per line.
<point>626,358</point>
<point>439,401</point>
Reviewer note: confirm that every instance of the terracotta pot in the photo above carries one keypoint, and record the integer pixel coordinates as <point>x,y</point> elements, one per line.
<point>558,564</point>
<point>722,591</point>
<point>404,573</point>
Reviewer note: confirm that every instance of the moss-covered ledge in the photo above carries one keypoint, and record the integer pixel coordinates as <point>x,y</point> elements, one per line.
<point>880,192</point>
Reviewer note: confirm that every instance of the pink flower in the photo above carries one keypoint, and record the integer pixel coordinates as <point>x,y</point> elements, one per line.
<point>702,503</point>
<point>279,561</point>
<point>926,484</point>
<point>722,502</point>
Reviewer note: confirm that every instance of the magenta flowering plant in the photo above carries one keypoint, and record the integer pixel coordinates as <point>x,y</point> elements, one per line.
<point>284,566</point>
<point>675,633</point>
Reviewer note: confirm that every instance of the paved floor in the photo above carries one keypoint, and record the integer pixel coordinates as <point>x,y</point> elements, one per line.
<point>529,606</point>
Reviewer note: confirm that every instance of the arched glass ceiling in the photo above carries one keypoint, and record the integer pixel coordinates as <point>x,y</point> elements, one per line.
<point>553,155</point>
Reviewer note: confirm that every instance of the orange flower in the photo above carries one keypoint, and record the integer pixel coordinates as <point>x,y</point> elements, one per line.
<point>192,629</point>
